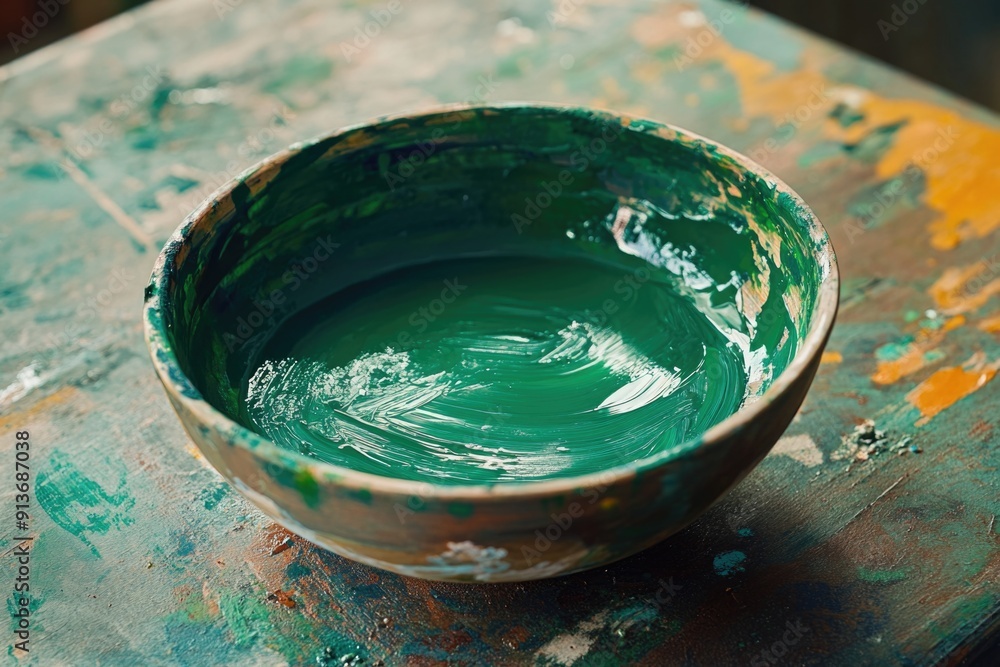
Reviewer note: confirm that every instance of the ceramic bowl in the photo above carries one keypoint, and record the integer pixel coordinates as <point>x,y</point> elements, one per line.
<point>471,180</point>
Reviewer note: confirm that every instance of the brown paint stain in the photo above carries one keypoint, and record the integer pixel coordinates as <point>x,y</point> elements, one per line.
<point>283,545</point>
<point>957,155</point>
<point>211,603</point>
<point>831,358</point>
<point>316,594</point>
<point>450,640</point>
<point>516,636</point>
<point>981,430</point>
<point>268,567</point>
<point>283,598</point>
<point>421,589</point>
<point>945,388</point>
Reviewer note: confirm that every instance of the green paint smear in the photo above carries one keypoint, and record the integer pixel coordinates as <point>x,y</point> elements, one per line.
<point>894,350</point>
<point>80,505</point>
<point>881,576</point>
<point>494,370</point>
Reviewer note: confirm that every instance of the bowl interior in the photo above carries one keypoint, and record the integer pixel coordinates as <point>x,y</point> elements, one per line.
<point>629,242</point>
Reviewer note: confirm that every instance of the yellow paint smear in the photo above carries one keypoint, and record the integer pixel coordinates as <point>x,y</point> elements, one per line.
<point>191,449</point>
<point>991,324</point>
<point>957,155</point>
<point>964,289</point>
<point>763,92</point>
<point>888,372</point>
<point>36,412</point>
<point>945,388</point>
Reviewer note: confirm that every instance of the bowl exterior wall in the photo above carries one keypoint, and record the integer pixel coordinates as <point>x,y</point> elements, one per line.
<point>497,537</point>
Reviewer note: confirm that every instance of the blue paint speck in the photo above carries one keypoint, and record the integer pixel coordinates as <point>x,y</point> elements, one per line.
<point>729,562</point>
<point>744,532</point>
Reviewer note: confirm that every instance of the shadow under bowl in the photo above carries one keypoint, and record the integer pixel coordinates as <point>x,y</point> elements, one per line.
<point>658,304</point>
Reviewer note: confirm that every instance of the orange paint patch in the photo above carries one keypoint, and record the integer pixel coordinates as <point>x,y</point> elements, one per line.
<point>915,357</point>
<point>888,372</point>
<point>957,155</point>
<point>945,388</point>
<point>831,358</point>
<point>964,289</point>
<point>991,324</point>
<point>763,90</point>
<point>195,453</point>
<point>766,92</point>
<point>954,323</point>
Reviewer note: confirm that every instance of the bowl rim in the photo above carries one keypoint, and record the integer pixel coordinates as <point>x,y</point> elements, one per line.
<point>180,388</point>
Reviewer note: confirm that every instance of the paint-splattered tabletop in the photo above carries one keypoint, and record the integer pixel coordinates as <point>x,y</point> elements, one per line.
<point>850,544</point>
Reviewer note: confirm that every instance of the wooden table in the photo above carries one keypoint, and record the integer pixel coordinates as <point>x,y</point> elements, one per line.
<point>141,554</point>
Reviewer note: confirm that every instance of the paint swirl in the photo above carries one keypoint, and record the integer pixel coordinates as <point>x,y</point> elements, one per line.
<point>498,369</point>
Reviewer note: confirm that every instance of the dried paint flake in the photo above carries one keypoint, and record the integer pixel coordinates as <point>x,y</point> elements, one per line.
<point>283,545</point>
<point>866,441</point>
<point>282,598</point>
<point>328,658</point>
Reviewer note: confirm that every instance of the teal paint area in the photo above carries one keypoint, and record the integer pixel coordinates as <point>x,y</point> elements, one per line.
<point>78,504</point>
<point>881,576</point>
<point>494,370</point>
<point>729,563</point>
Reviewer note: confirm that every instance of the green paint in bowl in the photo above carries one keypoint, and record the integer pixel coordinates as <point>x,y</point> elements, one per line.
<point>498,312</point>
<point>498,369</point>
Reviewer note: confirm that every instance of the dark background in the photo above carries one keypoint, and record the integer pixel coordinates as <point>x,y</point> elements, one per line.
<point>953,43</point>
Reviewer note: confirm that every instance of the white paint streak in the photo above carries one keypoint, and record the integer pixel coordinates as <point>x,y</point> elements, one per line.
<point>567,648</point>
<point>802,448</point>
<point>692,18</point>
<point>27,380</point>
